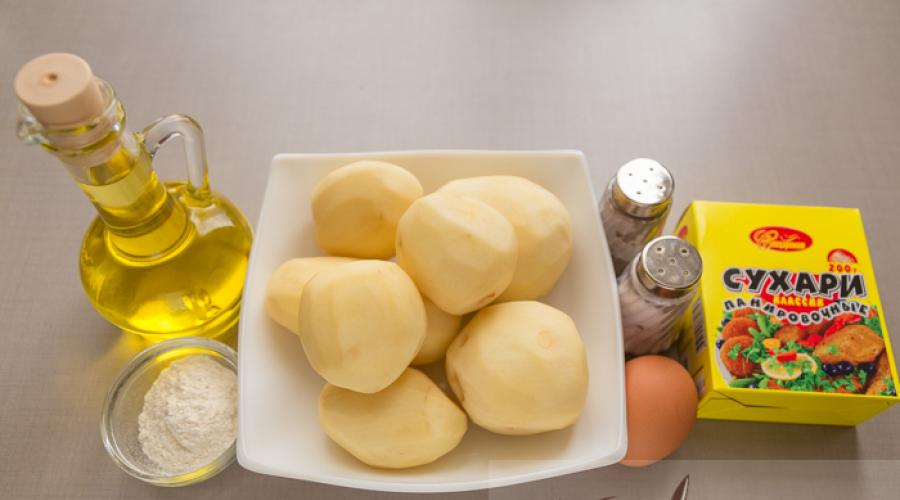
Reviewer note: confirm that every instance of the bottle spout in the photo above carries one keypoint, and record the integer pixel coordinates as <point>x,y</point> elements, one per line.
<point>65,108</point>
<point>28,129</point>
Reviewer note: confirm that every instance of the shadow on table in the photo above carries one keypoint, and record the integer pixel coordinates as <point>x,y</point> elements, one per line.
<point>725,440</point>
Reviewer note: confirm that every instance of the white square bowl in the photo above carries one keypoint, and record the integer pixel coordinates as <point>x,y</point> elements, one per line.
<point>279,430</point>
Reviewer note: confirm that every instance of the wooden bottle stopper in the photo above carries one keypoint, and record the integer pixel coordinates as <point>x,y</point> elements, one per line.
<point>59,89</point>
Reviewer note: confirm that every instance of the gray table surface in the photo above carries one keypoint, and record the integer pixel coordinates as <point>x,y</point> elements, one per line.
<point>765,101</point>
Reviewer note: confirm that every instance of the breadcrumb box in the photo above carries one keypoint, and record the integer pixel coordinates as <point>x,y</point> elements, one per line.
<point>788,325</point>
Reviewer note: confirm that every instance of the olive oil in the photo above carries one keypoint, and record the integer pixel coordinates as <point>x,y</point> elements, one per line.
<point>188,284</point>
<point>160,259</point>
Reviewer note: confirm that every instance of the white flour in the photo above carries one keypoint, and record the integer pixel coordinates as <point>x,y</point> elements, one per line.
<point>190,415</point>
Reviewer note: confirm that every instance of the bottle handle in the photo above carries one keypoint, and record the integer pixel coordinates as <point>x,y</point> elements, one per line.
<point>161,130</point>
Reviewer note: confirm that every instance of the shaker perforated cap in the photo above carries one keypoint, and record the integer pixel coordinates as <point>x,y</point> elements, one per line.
<point>59,89</point>
<point>669,267</point>
<point>643,188</point>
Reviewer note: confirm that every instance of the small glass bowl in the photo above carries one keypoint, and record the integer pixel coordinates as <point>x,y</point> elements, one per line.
<point>119,423</point>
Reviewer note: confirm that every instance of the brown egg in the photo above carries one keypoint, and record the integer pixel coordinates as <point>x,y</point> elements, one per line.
<point>661,406</point>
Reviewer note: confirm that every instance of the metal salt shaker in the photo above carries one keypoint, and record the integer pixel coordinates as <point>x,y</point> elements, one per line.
<point>634,208</point>
<point>654,292</point>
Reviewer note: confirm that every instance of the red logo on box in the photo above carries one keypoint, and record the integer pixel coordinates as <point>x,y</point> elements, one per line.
<point>781,239</point>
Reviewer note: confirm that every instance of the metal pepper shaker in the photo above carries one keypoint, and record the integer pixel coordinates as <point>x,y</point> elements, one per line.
<point>634,208</point>
<point>654,292</point>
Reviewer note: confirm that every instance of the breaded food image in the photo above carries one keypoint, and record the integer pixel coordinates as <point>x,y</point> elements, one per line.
<point>743,312</point>
<point>879,381</point>
<point>739,366</point>
<point>738,327</point>
<point>819,328</point>
<point>790,333</point>
<point>855,343</point>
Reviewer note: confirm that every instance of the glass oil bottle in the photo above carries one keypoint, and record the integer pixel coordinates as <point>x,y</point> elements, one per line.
<point>160,259</point>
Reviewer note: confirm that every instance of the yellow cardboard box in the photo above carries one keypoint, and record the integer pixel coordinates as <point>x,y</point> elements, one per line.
<point>787,324</point>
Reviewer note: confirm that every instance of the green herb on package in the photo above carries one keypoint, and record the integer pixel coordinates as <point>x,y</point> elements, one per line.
<point>824,382</point>
<point>889,389</point>
<point>798,348</point>
<point>766,327</point>
<point>810,380</point>
<point>755,352</point>
<point>734,351</point>
<point>845,382</point>
<point>741,383</point>
<point>874,323</point>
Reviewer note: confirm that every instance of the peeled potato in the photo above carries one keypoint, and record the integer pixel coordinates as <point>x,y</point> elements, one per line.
<point>519,368</point>
<point>409,423</point>
<point>442,328</point>
<point>543,229</point>
<point>356,208</point>
<point>361,324</point>
<point>461,252</point>
<point>285,287</point>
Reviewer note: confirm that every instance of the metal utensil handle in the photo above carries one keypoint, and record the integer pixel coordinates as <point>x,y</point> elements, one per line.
<point>681,493</point>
